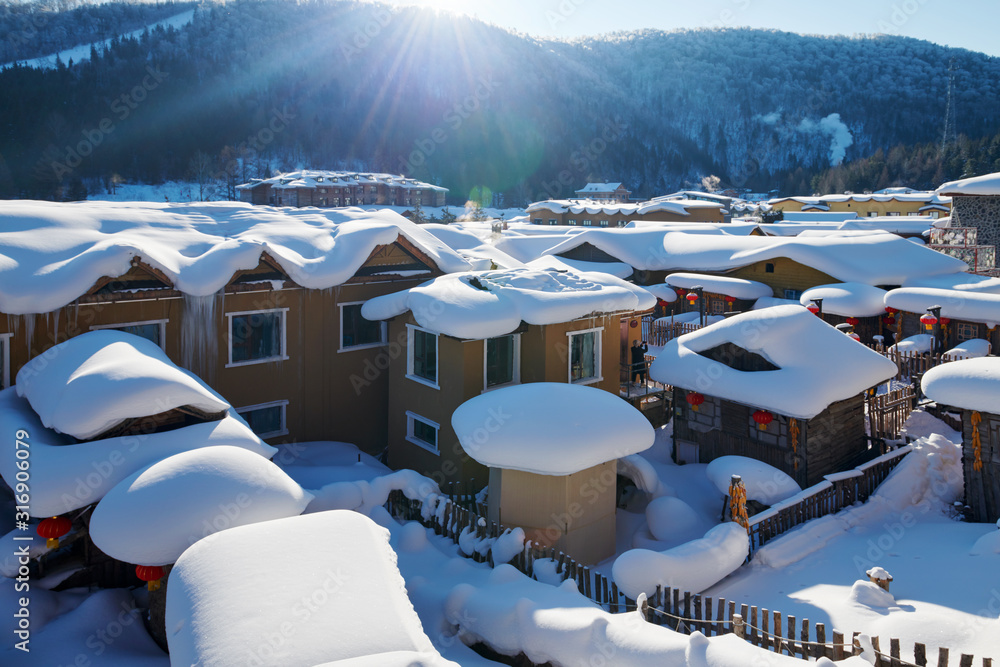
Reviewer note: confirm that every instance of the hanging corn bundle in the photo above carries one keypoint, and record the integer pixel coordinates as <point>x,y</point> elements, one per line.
<point>738,502</point>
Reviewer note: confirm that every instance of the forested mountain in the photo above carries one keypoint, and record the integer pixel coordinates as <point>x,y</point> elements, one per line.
<point>252,86</point>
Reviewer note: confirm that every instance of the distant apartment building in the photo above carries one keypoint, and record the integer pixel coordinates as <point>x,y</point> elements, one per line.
<point>331,189</point>
<point>885,203</point>
<point>609,193</point>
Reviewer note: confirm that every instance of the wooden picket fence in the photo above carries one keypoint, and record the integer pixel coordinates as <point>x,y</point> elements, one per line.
<point>888,412</point>
<point>663,333</point>
<point>912,365</point>
<point>684,611</point>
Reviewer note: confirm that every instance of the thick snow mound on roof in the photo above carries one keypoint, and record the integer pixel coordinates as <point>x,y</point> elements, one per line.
<point>299,591</point>
<point>690,567</point>
<point>987,184</point>
<point>453,236</point>
<point>970,349</point>
<point>874,259</point>
<point>152,516</point>
<point>52,253</point>
<point>92,382</point>
<point>550,428</point>
<point>956,304</point>
<point>764,483</point>
<point>67,475</point>
<point>493,303</point>
<point>918,344</point>
<point>735,287</point>
<point>616,269</point>
<point>817,364</point>
<point>970,384</point>
<point>847,299</point>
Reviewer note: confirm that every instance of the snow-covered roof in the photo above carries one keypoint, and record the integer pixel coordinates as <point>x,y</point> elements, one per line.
<point>616,269</point>
<point>970,384</point>
<point>987,184</point>
<point>493,303</point>
<point>67,475</point>
<point>550,428</point>
<point>911,196</point>
<point>92,382</point>
<point>918,344</point>
<point>600,187</point>
<point>154,515</point>
<point>817,364</point>
<point>848,299</point>
<point>964,282</point>
<point>970,349</point>
<point>330,578</point>
<point>875,259</point>
<point>955,304</point>
<point>591,207</point>
<point>52,253</point>
<point>527,247</point>
<point>311,178</point>
<point>735,287</point>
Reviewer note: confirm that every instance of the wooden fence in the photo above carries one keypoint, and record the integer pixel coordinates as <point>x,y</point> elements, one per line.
<point>887,412</point>
<point>765,628</point>
<point>661,333</point>
<point>834,493</point>
<point>683,611</point>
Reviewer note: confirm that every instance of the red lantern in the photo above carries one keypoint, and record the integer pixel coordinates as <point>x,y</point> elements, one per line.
<point>813,308</point>
<point>890,320</point>
<point>855,336</point>
<point>853,321</point>
<point>691,297</point>
<point>694,399</point>
<point>945,321</point>
<point>730,300</point>
<point>928,321</point>
<point>763,418</point>
<point>54,528</point>
<point>891,310</point>
<point>151,574</point>
<point>680,291</point>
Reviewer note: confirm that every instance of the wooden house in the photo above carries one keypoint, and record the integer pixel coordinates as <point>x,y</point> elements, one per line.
<point>552,451</point>
<point>860,306</point>
<point>272,322</point>
<point>965,314</point>
<point>463,335</point>
<point>972,386</point>
<point>776,384</point>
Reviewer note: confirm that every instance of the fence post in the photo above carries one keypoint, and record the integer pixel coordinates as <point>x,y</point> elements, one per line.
<point>738,627</point>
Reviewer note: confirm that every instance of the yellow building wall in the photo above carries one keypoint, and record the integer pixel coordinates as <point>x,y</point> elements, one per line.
<point>544,358</point>
<point>573,513</point>
<point>787,274</point>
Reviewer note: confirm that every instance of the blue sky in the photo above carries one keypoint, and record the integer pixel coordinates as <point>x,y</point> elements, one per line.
<point>969,24</point>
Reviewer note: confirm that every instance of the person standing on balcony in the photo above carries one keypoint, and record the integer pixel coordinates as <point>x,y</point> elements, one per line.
<point>639,361</point>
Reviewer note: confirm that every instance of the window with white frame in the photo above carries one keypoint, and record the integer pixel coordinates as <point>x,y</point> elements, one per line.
<point>266,420</point>
<point>422,355</point>
<point>152,330</point>
<point>257,336</point>
<point>585,356</point>
<point>356,331</point>
<point>4,361</point>
<point>502,361</point>
<point>422,432</point>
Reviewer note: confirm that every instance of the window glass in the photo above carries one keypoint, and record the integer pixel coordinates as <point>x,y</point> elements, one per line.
<point>499,361</point>
<point>583,358</point>
<point>357,330</point>
<point>256,336</point>
<point>425,355</point>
